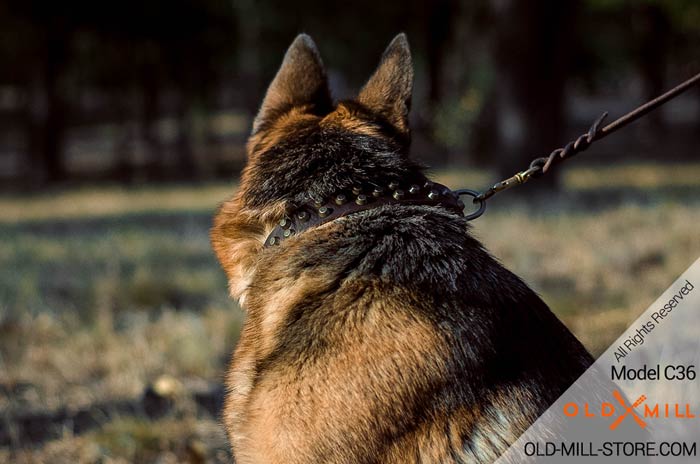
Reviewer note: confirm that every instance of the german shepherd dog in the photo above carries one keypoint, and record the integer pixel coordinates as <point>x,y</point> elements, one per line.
<point>386,334</point>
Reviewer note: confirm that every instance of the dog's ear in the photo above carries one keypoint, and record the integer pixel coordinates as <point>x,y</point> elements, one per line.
<point>300,82</point>
<point>388,91</point>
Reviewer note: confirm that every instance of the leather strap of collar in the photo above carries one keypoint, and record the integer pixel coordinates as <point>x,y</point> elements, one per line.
<point>361,199</point>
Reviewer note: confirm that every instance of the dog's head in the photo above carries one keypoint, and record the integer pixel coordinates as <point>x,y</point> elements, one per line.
<point>304,146</point>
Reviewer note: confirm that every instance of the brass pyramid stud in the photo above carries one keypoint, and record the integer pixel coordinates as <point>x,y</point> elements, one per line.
<point>324,211</point>
<point>377,192</point>
<point>433,194</point>
<point>393,185</point>
<point>341,199</point>
<point>399,195</point>
<point>414,189</point>
<point>361,199</point>
<point>356,190</point>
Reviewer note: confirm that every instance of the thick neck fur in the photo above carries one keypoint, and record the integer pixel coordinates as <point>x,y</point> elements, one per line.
<point>321,156</point>
<point>298,159</point>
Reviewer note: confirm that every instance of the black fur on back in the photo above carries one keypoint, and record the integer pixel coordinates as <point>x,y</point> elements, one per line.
<point>319,162</point>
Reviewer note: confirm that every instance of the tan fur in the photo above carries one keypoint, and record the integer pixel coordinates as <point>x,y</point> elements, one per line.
<point>347,118</point>
<point>273,418</point>
<point>333,397</point>
<point>279,129</point>
<point>238,236</point>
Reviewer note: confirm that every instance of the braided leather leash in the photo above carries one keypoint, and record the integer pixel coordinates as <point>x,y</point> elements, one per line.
<point>542,165</point>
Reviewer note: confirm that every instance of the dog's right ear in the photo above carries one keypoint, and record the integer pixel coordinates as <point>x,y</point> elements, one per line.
<point>388,91</point>
<point>300,82</point>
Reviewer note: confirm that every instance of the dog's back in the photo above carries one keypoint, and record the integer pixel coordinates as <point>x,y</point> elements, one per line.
<point>387,335</point>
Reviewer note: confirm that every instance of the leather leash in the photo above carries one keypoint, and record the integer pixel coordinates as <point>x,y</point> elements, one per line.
<point>542,165</point>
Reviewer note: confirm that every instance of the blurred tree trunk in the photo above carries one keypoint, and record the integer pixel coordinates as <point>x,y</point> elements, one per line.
<point>250,84</point>
<point>440,20</point>
<point>439,24</point>
<point>533,46</point>
<point>54,128</point>
<point>124,167</point>
<point>150,112</point>
<point>653,44</point>
<point>186,166</point>
<point>47,110</point>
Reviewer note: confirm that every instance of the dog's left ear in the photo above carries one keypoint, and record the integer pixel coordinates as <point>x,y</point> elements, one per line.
<point>388,91</point>
<point>300,82</point>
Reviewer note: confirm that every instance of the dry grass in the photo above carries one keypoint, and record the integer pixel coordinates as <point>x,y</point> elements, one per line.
<point>110,201</point>
<point>172,440</point>
<point>102,290</point>
<point>66,363</point>
<point>639,176</point>
<point>597,271</point>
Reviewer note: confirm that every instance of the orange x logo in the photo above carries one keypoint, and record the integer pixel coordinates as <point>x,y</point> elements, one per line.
<point>629,410</point>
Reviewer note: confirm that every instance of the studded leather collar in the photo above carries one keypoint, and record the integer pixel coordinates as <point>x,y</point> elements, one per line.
<point>361,198</point>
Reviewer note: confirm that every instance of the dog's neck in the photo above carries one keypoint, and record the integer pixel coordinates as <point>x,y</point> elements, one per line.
<point>361,198</point>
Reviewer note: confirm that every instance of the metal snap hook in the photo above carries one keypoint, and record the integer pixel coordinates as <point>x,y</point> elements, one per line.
<point>475,195</point>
